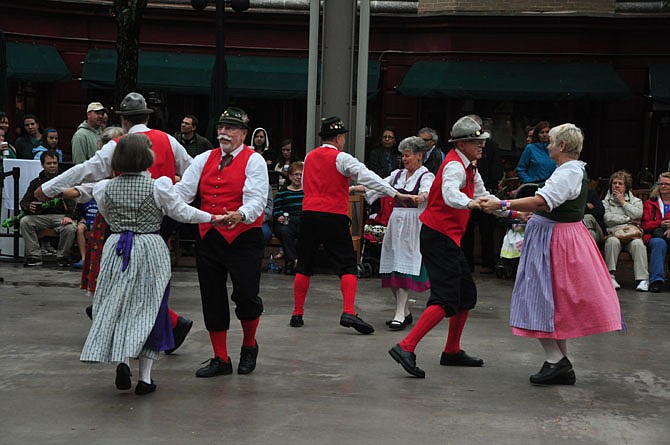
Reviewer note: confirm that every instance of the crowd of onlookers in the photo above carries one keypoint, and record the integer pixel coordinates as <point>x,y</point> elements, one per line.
<point>618,221</point>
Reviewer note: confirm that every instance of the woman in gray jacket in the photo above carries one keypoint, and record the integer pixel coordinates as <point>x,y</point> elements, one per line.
<point>622,208</point>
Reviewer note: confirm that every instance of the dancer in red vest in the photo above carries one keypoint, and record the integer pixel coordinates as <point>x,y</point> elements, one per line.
<point>171,159</point>
<point>325,219</point>
<point>232,179</point>
<point>455,191</point>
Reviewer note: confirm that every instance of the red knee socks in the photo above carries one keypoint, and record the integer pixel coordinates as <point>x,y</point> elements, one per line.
<point>428,320</point>
<point>300,288</point>
<point>218,339</point>
<point>456,325</point>
<point>348,285</point>
<point>173,317</point>
<point>249,329</point>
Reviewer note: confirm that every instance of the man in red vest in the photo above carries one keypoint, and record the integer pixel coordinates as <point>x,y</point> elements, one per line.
<point>325,219</point>
<point>455,191</point>
<point>171,159</point>
<point>231,180</point>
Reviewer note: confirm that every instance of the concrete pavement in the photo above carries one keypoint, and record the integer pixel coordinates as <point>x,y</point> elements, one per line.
<point>324,383</point>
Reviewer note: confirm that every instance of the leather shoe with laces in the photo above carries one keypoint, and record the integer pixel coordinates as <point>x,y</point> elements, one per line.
<point>407,360</point>
<point>356,322</point>
<point>180,332</point>
<point>461,358</point>
<point>552,373</point>
<point>296,321</point>
<point>145,388</point>
<point>248,356</point>
<point>123,376</point>
<point>215,367</point>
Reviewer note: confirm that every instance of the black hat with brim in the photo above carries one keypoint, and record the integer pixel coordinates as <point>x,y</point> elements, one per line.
<point>332,126</point>
<point>234,116</point>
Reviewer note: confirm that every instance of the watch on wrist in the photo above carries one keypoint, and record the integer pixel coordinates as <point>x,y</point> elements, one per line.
<point>244,217</point>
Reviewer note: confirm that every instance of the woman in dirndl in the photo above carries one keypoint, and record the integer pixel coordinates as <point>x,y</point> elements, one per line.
<point>563,288</point>
<point>130,316</point>
<point>401,266</point>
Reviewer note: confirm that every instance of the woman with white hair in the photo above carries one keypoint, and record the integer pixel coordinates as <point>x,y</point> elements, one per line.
<point>400,264</point>
<point>563,288</point>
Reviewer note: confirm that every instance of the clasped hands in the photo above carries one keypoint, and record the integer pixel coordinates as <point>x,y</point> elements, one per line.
<point>410,199</point>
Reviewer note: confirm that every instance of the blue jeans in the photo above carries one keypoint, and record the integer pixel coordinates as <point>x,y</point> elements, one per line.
<point>658,247</point>
<point>267,232</point>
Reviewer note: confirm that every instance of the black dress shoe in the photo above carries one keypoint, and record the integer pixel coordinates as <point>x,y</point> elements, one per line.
<point>655,286</point>
<point>408,321</point>
<point>551,372</point>
<point>215,367</point>
<point>145,388</point>
<point>396,325</point>
<point>460,359</point>
<point>356,322</point>
<point>123,376</point>
<point>180,332</point>
<point>296,321</point>
<point>248,356</point>
<point>89,312</point>
<point>407,360</point>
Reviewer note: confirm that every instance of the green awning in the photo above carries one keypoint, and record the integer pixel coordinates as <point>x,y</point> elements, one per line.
<point>514,81</point>
<point>659,83</point>
<point>262,77</point>
<point>35,63</point>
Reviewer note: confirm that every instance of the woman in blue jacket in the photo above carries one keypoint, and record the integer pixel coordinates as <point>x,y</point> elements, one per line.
<point>535,165</point>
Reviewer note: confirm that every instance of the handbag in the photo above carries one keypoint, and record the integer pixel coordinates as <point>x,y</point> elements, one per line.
<point>625,232</point>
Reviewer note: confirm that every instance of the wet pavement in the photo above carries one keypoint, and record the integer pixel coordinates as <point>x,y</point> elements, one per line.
<point>326,384</point>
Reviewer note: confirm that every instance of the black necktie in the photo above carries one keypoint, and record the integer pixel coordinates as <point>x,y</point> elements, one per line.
<point>225,161</point>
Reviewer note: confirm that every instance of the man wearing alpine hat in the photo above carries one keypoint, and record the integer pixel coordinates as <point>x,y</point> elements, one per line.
<point>455,191</point>
<point>325,219</point>
<point>231,180</point>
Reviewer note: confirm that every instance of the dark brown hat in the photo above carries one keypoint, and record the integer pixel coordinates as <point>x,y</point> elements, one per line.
<point>134,105</point>
<point>332,126</point>
<point>234,116</point>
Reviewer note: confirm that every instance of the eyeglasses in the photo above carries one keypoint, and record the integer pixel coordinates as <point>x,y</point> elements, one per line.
<point>427,139</point>
<point>388,137</point>
<point>478,143</point>
<point>664,184</point>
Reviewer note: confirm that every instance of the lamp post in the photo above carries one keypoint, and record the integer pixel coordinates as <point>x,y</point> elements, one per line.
<point>220,70</point>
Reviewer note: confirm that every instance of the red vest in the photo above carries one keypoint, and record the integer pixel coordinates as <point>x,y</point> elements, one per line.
<point>326,189</point>
<point>163,155</point>
<point>441,217</point>
<point>223,189</point>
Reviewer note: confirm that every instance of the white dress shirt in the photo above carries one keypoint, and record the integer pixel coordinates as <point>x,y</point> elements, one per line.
<point>352,168</point>
<point>100,165</point>
<point>453,180</point>
<point>254,192</point>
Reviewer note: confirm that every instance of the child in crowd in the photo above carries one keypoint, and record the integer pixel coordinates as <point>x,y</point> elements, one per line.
<point>49,142</point>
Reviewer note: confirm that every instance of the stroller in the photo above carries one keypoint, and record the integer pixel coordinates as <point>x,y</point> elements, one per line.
<point>373,236</point>
<point>512,243</point>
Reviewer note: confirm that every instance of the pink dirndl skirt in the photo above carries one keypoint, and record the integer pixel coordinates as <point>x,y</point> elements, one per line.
<point>585,302</point>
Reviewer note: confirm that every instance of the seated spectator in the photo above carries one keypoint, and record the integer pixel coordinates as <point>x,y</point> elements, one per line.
<point>384,157</point>
<point>6,149</point>
<point>284,161</point>
<point>535,165</point>
<point>56,214</point>
<point>31,137</point>
<point>49,142</point>
<point>287,212</point>
<point>623,208</point>
<point>656,226</point>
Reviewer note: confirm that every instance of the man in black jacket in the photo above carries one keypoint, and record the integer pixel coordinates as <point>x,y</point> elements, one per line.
<point>57,214</point>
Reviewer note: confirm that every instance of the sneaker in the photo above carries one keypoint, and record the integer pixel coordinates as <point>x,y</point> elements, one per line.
<point>643,286</point>
<point>614,282</point>
<point>63,262</point>
<point>31,262</point>
<point>656,286</point>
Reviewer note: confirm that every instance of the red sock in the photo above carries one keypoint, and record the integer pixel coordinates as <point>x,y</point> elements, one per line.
<point>300,288</point>
<point>218,339</point>
<point>456,325</point>
<point>249,328</point>
<point>173,317</point>
<point>428,320</point>
<point>348,285</point>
